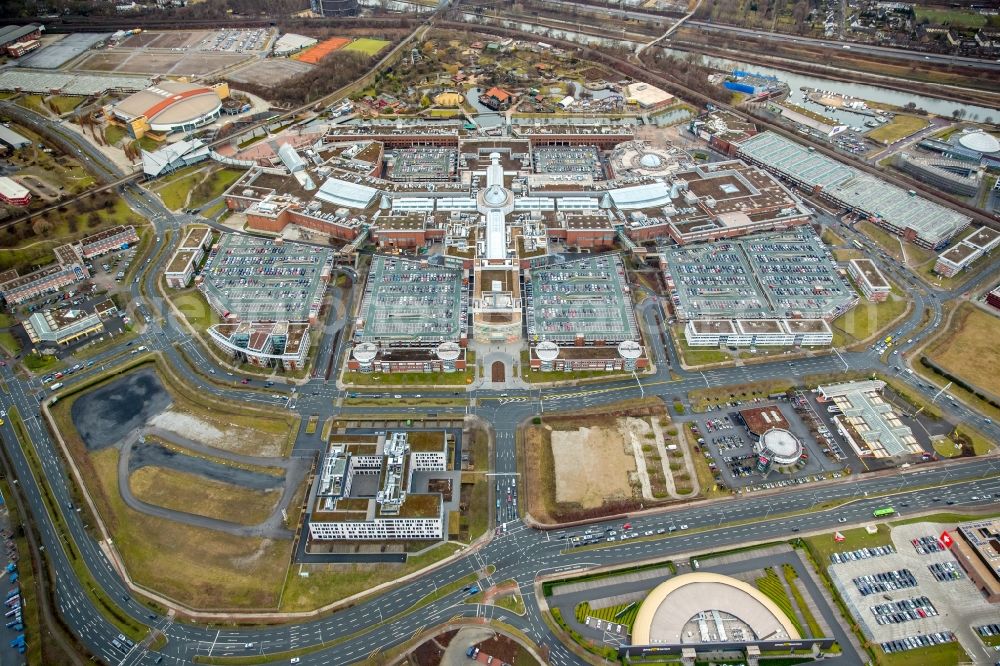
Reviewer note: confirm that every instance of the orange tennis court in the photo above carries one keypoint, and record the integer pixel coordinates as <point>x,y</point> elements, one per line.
<point>323,49</point>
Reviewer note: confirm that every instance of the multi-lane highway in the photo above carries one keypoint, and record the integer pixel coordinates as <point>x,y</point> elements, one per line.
<point>519,552</point>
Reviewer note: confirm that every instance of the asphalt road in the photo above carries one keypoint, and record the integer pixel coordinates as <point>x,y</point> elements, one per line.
<point>519,553</point>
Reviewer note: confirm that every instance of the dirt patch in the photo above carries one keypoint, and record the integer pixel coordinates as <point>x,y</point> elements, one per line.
<point>195,494</point>
<point>103,62</point>
<point>234,438</point>
<point>591,466</point>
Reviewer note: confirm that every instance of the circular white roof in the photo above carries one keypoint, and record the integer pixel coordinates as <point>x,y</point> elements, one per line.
<point>449,351</point>
<point>980,141</point>
<point>629,349</point>
<point>495,195</point>
<point>650,161</point>
<point>365,352</point>
<point>547,350</point>
<point>783,445</point>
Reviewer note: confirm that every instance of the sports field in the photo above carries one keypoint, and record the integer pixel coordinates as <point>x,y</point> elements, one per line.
<point>323,49</point>
<point>367,46</point>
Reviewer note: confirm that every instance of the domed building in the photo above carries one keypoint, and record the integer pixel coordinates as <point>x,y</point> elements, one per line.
<point>980,141</point>
<point>703,608</point>
<point>778,447</point>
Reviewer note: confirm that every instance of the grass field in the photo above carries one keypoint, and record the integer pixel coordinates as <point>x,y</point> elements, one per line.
<point>327,583</point>
<point>114,134</point>
<point>195,308</point>
<point>822,546</point>
<point>200,567</point>
<point>66,103</point>
<point>214,185</point>
<point>958,18</point>
<point>202,496</point>
<point>900,127</point>
<point>34,103</point>
<point>367,46</point>
<point>174,194</point>
<point>968,349</point>
<point>867,318</point>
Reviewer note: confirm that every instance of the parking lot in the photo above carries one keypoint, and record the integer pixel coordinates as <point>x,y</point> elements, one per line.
<point>923,429</point>
<point>898,598</point>
<point>729,446</point>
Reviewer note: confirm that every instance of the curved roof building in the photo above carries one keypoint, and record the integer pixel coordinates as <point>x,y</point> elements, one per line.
<point>981,142</point>
<point>674,611</point>
<point>170,106</point>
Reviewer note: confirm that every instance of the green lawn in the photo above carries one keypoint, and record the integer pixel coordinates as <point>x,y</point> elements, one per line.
<point>958,18</point>
<point>195,308</point>
<point>367,46</point>
<point>114,133</point>
<point>866,319</point>
<point>408,378</point>
<point>936,655</point>
<point>9,342</point>
<point>214,186</point>
<point>39,362</point>
<point>900,127</point>
<point>66,103</point>
<point>174,194</point>
<point>822,546</point>
<point>33,102</point>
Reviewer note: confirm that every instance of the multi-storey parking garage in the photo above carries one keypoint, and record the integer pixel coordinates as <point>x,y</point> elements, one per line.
<point>771,276</point>
<point>252,279</point>
<point>581,301</point>
<point>412,304</point>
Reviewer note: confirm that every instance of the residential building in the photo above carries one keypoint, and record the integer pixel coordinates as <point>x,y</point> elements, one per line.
<point>109,240</point>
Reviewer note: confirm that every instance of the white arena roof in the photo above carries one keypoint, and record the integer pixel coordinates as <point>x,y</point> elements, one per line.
<point>980,142</point>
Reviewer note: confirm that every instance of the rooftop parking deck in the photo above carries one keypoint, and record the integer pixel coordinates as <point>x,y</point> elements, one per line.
<point>585,297</point>
<point>260,280</point>
<point>407,301</point>
<point>778,275</point>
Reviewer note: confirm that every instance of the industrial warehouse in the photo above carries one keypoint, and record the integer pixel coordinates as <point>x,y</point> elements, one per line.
<point>771,289</point>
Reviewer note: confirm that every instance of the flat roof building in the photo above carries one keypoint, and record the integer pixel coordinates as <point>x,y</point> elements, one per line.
<point>868,421</point>
<point>13,192</point>
<point>781,275</point>
<point>277,344</point>
<point>12,139</point>
<point>900,211</point>
<point>960,256</point>
<point>977,550</point>
<point>188,255</point>
<point>247,278</point>
<point>365,491</point>
<point>869,279</point>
